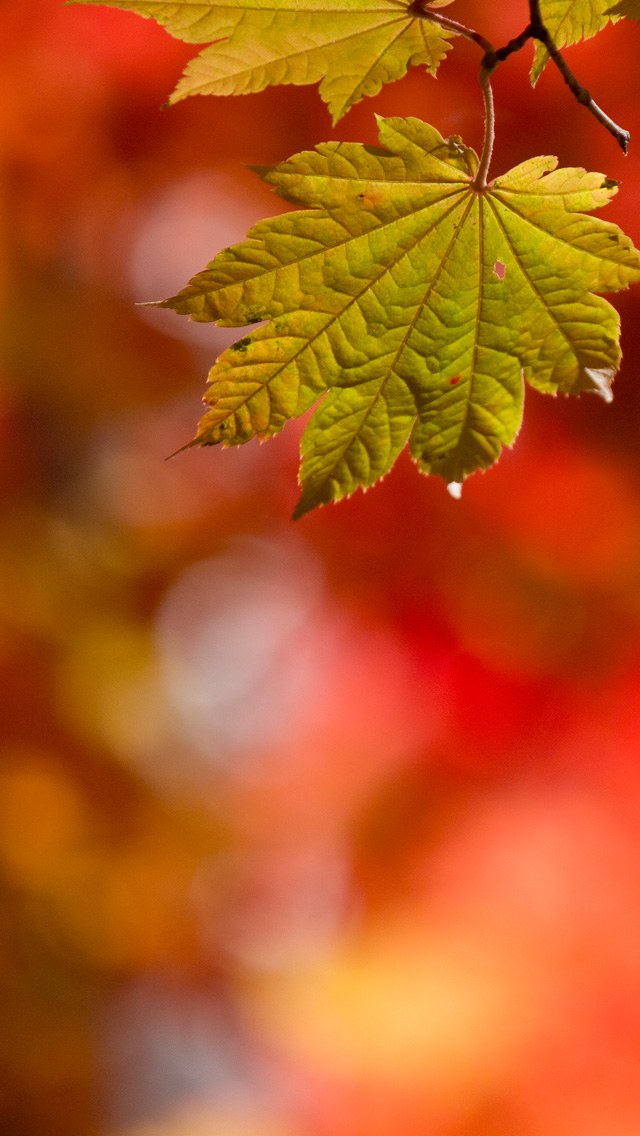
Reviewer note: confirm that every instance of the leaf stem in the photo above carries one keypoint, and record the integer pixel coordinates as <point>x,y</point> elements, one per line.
<point>480,181</point>
<point>490,61</point>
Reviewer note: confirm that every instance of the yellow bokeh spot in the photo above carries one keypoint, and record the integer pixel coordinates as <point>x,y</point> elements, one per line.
<point>409,1006</point>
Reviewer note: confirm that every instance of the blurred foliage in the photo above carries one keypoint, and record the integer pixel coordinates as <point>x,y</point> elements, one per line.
<point>315,830</point>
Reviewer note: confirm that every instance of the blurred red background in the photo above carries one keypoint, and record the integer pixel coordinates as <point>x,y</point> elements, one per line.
<point>325,829</point>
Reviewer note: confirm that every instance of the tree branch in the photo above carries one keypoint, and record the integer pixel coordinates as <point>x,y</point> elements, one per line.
<point>493,58</point>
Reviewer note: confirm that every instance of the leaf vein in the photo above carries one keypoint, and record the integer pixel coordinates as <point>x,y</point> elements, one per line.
<point>554,319</point>
<point>354,300</point>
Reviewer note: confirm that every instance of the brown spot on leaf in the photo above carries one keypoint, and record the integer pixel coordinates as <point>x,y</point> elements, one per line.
<point>499,269</point>
<point>454,381</point>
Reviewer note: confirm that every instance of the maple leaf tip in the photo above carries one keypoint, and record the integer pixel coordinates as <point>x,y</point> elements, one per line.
<point>601,382</point>
<point>261,171</point>
<point>181,450</point>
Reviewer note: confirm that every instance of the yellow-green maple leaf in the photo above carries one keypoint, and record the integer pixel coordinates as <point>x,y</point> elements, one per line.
<point>351,47</point>
<point>414,303</point>
<point>569,21</point>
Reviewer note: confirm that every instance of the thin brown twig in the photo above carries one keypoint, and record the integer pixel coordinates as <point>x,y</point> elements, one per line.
<point>621,136</point>
<point>493,58</point>
<point>535,30</point>
<point>539,32</point>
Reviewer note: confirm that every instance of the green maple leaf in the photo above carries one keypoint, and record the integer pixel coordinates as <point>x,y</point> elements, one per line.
<point>415,304</point>
<point>351,47</point>
<point>569,21</point>
<point>627,8</point>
